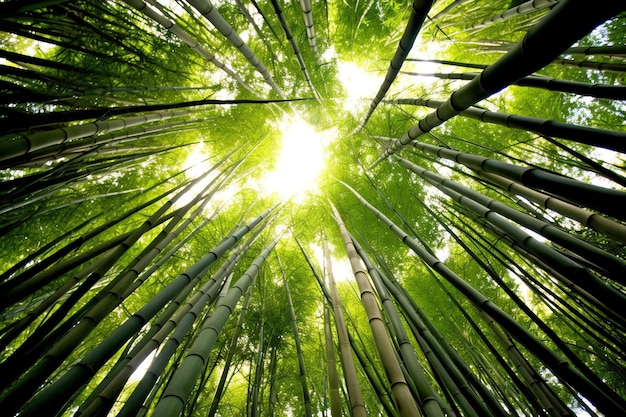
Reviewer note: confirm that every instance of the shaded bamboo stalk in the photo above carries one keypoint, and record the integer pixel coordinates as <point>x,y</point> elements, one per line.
<point>594,221</point>
<point>31,142</point>
<point>419,11</point>
<point>526,57</point>
<point>289,35</point>
<point>305,5</point>
<point>141,6</point>
<point>604,200</point>
<point>217,396</point>
<point>76,143</point>
<point>594,65</point>
<point>602,138</point>
<point>28,120</point>
<point>308,412</point>
<point>254,387</point>
<point>613,92</point>
<point>55,398</point>
<point>208,10</point>
<point>184,378</point>
<point>609,264</point>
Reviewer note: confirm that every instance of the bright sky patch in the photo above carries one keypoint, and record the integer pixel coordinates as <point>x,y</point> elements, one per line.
<point>301,158</point>
<point>360,86</point>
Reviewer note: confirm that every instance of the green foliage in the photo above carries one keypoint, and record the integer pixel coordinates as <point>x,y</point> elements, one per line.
<point>89,55</point>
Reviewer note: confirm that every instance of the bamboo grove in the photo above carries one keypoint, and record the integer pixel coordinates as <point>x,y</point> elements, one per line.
<point>461,254</point>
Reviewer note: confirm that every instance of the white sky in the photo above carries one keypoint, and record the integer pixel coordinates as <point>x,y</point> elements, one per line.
<point>302,157</point>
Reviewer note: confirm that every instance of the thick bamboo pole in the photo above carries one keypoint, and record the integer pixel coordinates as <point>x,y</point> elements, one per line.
<point>524,8</point>
<point>603,397</point>
<point>184,378</point>
<point>604,200</point>
<point>403,399</point>
<point>55,396</point>
<point>25,143</point>
<point>541,44</point>
<point>613,92</point>
<point>419,11</point>
<point>608,264</point>
<point>357,405</point>
<point>602,138</point>
<point>172,319</point>
<point>426,393</point>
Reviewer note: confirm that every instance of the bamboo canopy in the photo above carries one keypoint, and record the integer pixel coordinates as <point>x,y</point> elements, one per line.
<point>355,208</point>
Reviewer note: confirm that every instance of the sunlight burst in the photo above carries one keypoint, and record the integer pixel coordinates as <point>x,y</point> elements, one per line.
<point>301,159</point>
<point>360,86</point>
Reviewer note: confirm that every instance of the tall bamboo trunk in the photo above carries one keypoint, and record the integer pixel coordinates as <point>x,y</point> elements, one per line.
<point>289,35</point>
<point>25,143</point>
<point>217,396</point>
<point>528,56</point>
<point>192,43</point>
<point>595,197</point>
<point>208,10</point>
<point>603,397</point>
<point>404,403</point>
<point>607,264</point>
<point>426,394</point>
<point>178,321</point>
<point>544,394</point>
<point>602,138</point>
<point>255,390</point>
<point>184,378</point>
<point>56,395</point>
<point>524,8</point>
<point>308,412</point>
<point>357,406</point>
<point>331,366</point>
<point>419,11</point>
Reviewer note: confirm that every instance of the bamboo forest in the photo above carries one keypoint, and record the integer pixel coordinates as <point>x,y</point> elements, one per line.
<point>313,208</point>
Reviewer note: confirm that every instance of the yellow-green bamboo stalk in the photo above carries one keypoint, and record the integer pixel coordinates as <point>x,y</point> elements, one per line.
<point>331,366</point>
<point>357,405</point>
<point>603,397</point>
<point>611,265</point>
<point>401,394</point>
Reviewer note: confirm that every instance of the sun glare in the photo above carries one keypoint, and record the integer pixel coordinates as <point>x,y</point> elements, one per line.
<point>301,158</point>
<point>360,86</point>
